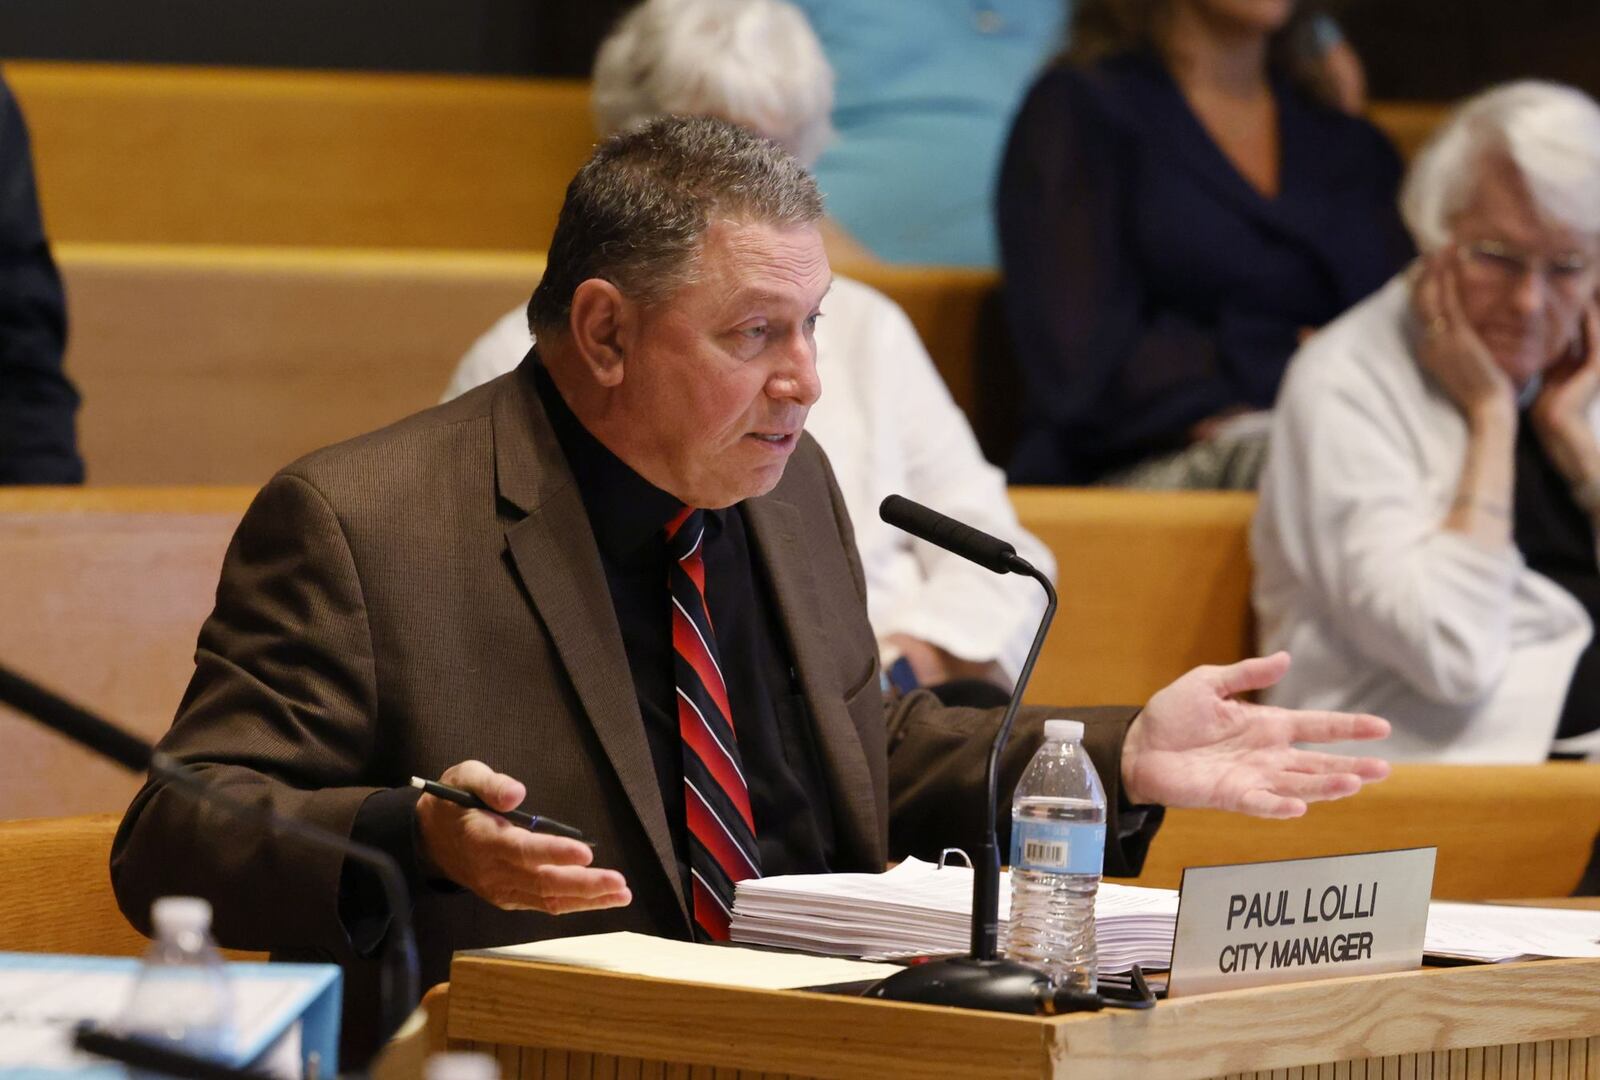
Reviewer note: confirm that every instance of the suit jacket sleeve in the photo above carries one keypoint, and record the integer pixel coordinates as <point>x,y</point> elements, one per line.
<point>280,712</point>
<point>938,757</point>
<point>37,440</point>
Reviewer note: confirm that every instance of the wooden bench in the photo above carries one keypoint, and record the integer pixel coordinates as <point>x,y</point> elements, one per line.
<point>207,365</point>
<point>104,593</point>
<point>1409,124</point>
<point>129,153</point>
<point>136,154</point>
<point>1151,585</point>
<point>1502,830</point>
<point>55,888</point>
<point>220,365</point>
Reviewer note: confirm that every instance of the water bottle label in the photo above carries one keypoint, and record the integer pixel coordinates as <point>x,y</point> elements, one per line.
<point>1058,847</point>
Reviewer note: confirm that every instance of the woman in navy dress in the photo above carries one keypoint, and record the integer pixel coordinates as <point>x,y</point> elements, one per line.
<point>1181,203</point>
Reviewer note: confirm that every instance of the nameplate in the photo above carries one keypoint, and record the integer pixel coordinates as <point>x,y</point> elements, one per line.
<point>1257,924</point>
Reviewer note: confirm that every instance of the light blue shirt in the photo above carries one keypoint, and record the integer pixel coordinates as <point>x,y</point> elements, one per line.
<point>925,94</point>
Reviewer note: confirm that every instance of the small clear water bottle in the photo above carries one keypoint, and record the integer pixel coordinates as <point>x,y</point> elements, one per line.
<point>182,998</point>
<point>1058,843</point>
<point>461,1065</point>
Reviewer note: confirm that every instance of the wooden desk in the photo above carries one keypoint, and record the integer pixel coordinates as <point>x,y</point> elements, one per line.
<point>1535,1020</point>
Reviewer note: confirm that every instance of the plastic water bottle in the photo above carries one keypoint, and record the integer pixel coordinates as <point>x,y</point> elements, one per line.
<point>461,1065</point>
<point>1058,843</point>
<point>182,998</point>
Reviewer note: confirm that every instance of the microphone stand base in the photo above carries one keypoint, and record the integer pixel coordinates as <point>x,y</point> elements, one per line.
<point>966,983</point>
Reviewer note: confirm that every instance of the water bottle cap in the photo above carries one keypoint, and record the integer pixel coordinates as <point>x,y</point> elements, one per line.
<point>1068,730</point>
<point>175,914</point>
<point>461,1065</point>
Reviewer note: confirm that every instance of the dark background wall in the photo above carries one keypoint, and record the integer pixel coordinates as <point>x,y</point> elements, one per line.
<point>507,37</point>
<point>1443,49</point>
<point>1436,49</point>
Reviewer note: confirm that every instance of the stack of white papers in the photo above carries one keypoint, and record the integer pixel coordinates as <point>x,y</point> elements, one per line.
<point>918,909</point>
<point>1131,925</point>
<point>1494,933</point>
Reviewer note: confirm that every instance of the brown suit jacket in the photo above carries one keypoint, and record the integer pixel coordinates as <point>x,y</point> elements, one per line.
<point>432,592</point>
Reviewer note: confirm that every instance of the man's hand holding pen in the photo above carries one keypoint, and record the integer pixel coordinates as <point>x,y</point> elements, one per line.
<point>510,866</point>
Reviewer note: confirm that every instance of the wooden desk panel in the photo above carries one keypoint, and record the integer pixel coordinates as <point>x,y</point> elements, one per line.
<point>1538,1020</point>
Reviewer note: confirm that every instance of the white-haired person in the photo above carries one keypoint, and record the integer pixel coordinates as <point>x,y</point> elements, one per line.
<point>885,418</point>
<point>1425,542</point>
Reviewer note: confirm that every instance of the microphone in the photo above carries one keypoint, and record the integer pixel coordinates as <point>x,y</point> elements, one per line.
<point>82,727</point>
<point>989,552</point>
<point>980,980</point>
<point>400,986</point>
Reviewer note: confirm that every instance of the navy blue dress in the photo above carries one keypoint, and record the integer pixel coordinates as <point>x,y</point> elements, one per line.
<point>1148,284</point>
<point>37,403</point>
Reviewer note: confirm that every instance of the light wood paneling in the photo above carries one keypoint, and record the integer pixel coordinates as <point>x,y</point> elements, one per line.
<point>1409,124</point>
<point>1501,830</point>
<point>128,153</point>
<point>1450,1023</point>
<point>104,593</point>
<point>203,365</point>
<point>1151,583</point>
<point>220,366</point>
<point>55,888</point>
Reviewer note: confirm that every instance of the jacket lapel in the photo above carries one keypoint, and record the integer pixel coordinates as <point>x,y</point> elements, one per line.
<point>556,557</point>
<point>776,526</point>
<point>1291,213</point>
<point>1191,147</point>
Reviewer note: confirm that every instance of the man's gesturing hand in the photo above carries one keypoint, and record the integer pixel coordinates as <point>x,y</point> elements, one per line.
<point>504,863</point>
<point>1194,745</point>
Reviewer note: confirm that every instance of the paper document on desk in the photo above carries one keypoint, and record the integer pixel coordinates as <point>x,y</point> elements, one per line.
<point>1497,932</point>
<point>687,961</point>
<point>919,909</point>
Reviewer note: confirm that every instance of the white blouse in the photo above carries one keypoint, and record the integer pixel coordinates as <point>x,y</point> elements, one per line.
<point>1466,651</point>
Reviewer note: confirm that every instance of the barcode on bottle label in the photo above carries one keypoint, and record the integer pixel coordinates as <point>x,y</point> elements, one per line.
<point>1058,847</point>
<point>1044,853</point>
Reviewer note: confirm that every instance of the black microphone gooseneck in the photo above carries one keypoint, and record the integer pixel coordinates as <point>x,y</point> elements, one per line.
<point>981,980</point>
<point>986,882</point>
<point>400,984</point>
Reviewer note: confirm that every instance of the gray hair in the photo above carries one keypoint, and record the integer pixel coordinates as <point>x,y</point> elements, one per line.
<point>754,62</point>
<point>636,213</point>
<point>1550,133</point>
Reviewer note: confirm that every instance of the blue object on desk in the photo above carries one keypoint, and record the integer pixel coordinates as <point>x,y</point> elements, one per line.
<point>316,1006</point>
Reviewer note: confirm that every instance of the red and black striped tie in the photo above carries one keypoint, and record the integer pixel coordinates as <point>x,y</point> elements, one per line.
<point>716,799</point>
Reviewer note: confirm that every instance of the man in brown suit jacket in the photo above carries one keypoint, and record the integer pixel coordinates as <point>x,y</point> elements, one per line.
<point>454,590</point>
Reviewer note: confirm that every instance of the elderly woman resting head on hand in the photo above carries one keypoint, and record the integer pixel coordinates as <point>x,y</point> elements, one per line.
<point>1425,544</point>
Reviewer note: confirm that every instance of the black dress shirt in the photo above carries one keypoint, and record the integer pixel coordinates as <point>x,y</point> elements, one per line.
<point>1557,539</point>
<point>781,763</point>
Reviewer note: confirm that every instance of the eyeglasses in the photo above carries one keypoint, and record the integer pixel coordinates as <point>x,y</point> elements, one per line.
<point>1497,263</point>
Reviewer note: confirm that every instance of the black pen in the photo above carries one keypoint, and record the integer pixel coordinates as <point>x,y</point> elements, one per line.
<point>531,822</point>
